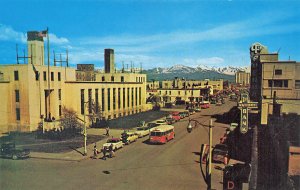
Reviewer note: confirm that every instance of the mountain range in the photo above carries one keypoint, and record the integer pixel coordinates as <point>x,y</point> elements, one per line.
<point>199,72</point>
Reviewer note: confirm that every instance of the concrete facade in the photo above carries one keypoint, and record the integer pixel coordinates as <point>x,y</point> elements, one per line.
<point>242,78</point>
<point>33,92</point>
<point>273,78</point>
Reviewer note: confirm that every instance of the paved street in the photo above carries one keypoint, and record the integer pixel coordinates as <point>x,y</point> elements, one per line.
<point>137,166</point>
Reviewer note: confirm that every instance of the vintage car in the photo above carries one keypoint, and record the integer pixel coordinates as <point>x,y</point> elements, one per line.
<point>142,131</point>
<point>220,154</point>
<point>9,150</point>
<point>204,104</point>
<point>161,122</point>
<point>115,142</point>
<point>176,116</point>
<point>197,109</point>
<point>129,137</point>
<point>191,111</point>
<point>170,120</point>
<point>152,125</point>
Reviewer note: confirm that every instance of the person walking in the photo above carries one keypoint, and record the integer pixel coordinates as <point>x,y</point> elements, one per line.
<point>111,151</point>
<point>107,131</point>
<point>104,150</point>
<point>95,151</point>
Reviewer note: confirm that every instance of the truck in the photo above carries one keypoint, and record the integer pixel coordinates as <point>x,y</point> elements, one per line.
<point>9,150</point>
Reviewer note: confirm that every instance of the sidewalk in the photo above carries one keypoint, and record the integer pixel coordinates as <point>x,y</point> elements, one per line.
<point>77,154</point>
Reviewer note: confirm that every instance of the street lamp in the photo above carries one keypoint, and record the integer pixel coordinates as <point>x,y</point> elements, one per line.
<point>84,131</point>
<point>207,178</point>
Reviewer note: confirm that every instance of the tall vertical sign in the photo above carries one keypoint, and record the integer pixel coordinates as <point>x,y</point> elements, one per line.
<point>244,105</point>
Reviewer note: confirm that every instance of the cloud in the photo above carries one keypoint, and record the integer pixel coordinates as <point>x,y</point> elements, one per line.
<point>57,40</point>
<point>7,33</point>
<point>225,32</point>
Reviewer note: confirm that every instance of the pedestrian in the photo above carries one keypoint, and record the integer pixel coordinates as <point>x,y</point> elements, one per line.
<point>104,150</point>
<point>107,131</point>
<point>95,151</point>
<point>111,151</point>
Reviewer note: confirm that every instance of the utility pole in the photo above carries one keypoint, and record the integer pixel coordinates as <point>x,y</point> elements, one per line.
<point>210,155</point>
<point>84,131</point>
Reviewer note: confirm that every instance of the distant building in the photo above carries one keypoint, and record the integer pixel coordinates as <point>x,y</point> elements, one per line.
<point>33,92</point>
<point>185,90</point>
<point>242,78</point>
<point>273,78</point>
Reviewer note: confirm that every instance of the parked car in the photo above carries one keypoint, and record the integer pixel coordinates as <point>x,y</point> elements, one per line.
<point>115,142</point>
<point>176,116</point>
<point>129,137</point>
<point>187,113</point>
<point>161,122</point>
<point>9,150</point>
<point>204,104</point>
<point>170,120</point>
<point>220,154</point>
<point>191,111</point>
<point>142,131</point>
<point>197,109</point>
<point>182,115</point>
<point>151,125</point>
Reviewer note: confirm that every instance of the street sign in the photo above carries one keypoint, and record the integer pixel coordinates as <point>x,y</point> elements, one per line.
<point>244,105</point>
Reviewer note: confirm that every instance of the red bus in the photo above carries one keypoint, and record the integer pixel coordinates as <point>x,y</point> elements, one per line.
<point>162,134</point>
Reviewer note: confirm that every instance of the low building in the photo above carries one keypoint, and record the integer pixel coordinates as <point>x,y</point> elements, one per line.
<point>242,78</point>
<point>36,93</point>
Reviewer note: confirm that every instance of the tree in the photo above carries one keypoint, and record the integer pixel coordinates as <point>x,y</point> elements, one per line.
<point>69,119</point>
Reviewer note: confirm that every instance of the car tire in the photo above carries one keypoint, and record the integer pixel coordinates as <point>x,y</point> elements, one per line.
<point>14,157</point>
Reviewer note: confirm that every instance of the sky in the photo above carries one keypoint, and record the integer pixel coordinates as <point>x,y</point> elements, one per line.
<point>154,33</point>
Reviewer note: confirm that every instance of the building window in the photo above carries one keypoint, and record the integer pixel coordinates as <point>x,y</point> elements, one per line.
<point>112,79</point>
<point>136,96</point>
<point>103,100</point>
<point>59,94</point>
<point>278,72</point>
<point>58,76</point>
<point>119,98</point>
<point>90,100</point>
<point>17,92</point>
<point>16,75</point>
<point>170,92</point>
<point>82,101</point>
<point>140,96</point>
<point>45,75</point>
<point>52,76</point>
<point>297,84</point>
<point>178,92</point>
<point>124,97</point>
<point>108,99</point>
<point>96,101</point>
<point>18,115</point>
<point>122,79</point>
<point>278,83</point>
<point>59,110</point>
<point>114,98</point>
<point>132,97</point>
<point>37,75</point>
<point>128,97</point>
<point>103,78</point>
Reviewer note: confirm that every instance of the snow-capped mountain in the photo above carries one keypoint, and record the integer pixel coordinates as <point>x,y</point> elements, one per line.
<point>197,73</point>
<point>229,70</point>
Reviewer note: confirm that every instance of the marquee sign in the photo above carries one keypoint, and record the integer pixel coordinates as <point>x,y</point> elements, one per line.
<point>244,105</point>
